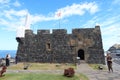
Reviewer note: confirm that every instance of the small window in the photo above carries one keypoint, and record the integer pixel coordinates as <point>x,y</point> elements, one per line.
<point>48,46</point>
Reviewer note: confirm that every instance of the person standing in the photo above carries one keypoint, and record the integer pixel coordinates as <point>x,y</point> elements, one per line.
<point>78,60</point>
<point>7,60</point>
<point>109,62</point>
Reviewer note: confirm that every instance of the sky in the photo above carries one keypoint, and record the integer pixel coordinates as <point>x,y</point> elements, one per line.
<point>71,14</point>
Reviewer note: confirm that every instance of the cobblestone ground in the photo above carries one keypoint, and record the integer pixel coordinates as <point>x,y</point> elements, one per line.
<point>100,74</point>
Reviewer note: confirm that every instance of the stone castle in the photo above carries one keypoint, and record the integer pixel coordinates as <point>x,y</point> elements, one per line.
<point>60,47</point>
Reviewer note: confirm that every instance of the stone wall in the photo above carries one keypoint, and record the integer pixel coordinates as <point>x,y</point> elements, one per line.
<point>60,47</point>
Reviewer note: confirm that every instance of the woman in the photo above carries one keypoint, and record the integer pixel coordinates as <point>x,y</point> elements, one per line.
<point>109,62</point>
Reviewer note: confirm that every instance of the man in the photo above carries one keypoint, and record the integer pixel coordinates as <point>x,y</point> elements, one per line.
<point>8,59</point>
<point>78,60</point>
<point>109,62</point>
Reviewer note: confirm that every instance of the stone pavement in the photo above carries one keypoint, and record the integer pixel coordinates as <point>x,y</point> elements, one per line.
<point>99,74</point>
<point>84,68</point>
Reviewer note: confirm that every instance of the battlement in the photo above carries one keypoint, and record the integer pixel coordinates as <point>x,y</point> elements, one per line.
<point>82,30</point>
<point>28,32</point>
<point>97,28</point>
<point>64,31</point>
<point>43,31</point>
<point>59,31</point>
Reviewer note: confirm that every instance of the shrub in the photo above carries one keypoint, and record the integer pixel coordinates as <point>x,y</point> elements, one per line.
<point>69,72</point>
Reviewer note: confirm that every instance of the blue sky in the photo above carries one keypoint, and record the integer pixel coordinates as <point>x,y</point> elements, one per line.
<point>74,14</point>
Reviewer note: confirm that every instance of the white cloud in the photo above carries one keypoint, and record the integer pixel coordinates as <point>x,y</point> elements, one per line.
<point>91,23</point>
<point>111,19</point>
<point>111,26</point>
<point>108,42</point>
<point>110,31</point>
<point>16,4</point>
<point>13,12</point>
<point>4,1</point>
<point>12,18</point>
<point>77,9</point>
<point>4,4</point>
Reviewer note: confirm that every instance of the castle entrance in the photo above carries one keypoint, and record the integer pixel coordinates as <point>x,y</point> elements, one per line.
<point>81,54</point>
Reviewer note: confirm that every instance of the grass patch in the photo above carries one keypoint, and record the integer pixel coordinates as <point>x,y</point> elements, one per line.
<point>37,76</point>
<point>41,66</point>
<point>82,77</point>
<point>95,66</point>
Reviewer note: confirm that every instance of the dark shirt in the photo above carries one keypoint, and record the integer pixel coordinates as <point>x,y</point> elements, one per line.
<point>109,58</point>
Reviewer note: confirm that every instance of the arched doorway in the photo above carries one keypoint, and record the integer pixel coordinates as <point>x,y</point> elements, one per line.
<point>81,54</point>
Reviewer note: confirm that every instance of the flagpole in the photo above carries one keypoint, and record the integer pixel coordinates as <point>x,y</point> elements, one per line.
<point>59,23</point>
<point>59,16</point>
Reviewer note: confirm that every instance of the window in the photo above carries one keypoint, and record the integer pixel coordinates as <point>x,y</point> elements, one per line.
<point>48,46</point>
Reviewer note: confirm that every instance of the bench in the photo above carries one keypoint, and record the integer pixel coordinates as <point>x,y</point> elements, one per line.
<point>3,70</point>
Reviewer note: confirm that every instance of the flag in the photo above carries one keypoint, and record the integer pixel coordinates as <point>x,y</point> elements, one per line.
<point>27,21</point>
<point>59,14</point>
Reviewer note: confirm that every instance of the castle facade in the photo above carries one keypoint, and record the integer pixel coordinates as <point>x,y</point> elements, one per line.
<point>60,47</point>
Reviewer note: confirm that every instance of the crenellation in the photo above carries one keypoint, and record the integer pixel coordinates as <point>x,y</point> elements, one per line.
<point>28,32</point>
<point>82,30</point>
<point>40,32</point>
<point>59,31</point>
